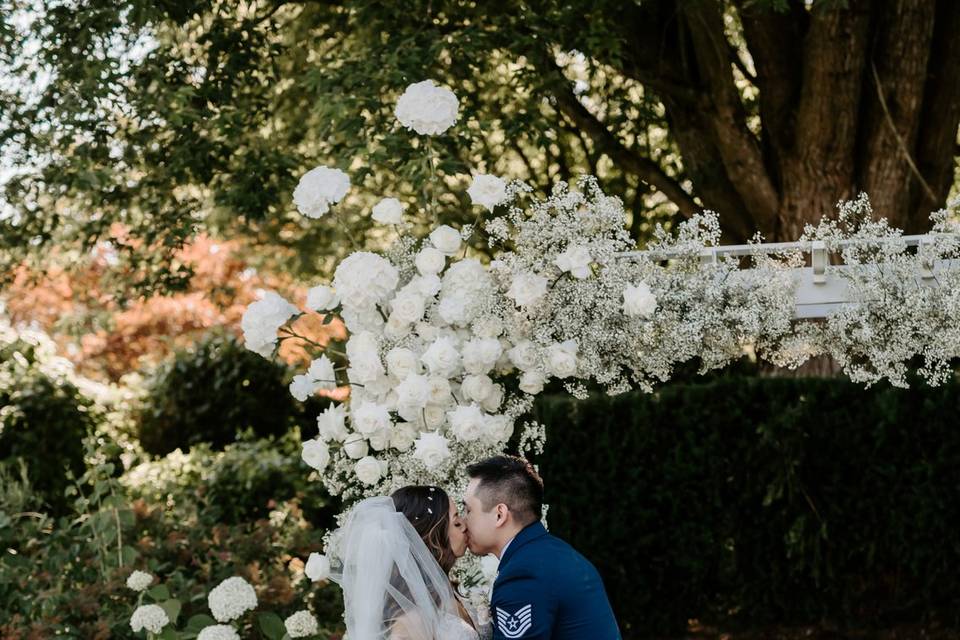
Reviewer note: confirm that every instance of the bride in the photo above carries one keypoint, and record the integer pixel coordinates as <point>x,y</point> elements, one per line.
<point>396,554</point>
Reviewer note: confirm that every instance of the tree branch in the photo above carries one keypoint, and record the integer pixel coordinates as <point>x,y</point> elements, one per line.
<point>644,168</point>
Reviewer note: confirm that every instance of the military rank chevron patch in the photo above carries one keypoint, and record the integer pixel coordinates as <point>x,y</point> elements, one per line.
<point>516,624</point>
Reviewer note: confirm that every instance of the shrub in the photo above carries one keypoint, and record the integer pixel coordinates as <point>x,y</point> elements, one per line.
<point>209,393</point>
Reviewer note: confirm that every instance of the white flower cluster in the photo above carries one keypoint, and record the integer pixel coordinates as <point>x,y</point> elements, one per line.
<point>427,109</point>
<point>218,632</point>
<point>301,624</point>
<point>894,314</point>
<point>139,580</point>
<point>149,617</point>
<point>318,189</point>
<point>231,599</point>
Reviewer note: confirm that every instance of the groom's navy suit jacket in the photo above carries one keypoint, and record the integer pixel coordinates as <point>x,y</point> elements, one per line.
<point>546,590</point>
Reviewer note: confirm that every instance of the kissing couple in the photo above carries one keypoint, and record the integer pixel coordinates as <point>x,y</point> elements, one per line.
<point>396,554</point>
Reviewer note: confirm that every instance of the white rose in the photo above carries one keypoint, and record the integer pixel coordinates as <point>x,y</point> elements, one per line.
<point>402,436</point>
<point>427,331</point>
<point>466,422</point>
<point>524,355</point>
<point>355,446</point>
<point>476,387</point>
<point>639,301</point>
<point>414,391</point>
<point>481,354</point>
<point>407,309</point>
<point>433,417</point>
<point>366,318</point>
<point>487,191</point>
<point>432,449</point>
<point>380,439</point>
<point>401,362</point>
<point>367,470</point>
<point>532,382</point>
<point>316,454</point>
<point>370,417</point>
<point>439,391</point>
<point>388,211</point>
<point>446,239</point>
<point>442,357</point>
<point>493,401</point>
<point>139,580</point>
<point>498,428</point>
<point>318,189</point>
<point>332,424</point>
<point>261,321</point>
<point>317,567</point>
<point>576,260</point>
<point>427,109</point>
<point>527,289</point>
<point>562,359</point>
<point>396,329</point>
<point>430,261</point>
<point>322,298</point>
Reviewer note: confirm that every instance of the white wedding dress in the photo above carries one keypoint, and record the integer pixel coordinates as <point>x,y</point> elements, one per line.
<point>393,588</point>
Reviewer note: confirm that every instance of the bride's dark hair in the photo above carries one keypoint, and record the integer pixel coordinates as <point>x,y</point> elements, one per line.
<point>428,510</point>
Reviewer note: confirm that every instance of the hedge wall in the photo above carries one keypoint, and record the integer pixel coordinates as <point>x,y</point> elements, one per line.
<point>743,501</point>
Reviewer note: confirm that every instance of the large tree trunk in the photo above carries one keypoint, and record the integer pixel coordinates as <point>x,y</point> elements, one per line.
<point>856,96</point>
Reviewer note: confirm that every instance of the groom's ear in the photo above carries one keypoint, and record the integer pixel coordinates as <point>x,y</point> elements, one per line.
<point>503,512</point>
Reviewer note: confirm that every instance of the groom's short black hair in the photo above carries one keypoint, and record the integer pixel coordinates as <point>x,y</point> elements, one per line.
<point>512,481</point>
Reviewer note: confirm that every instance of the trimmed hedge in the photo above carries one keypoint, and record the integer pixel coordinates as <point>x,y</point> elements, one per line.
<point>745,501</point>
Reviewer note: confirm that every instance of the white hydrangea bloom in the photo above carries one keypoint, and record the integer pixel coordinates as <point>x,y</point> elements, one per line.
<point>576,259</point>
<point>322,298</point>
<point>316,453</point>
<point>332,423</point>
<point>442,357</point>
<point>262,320</point>
<point>301,624</point>
<point>446,240</point>
<point>368,470</point>
<point>639,301</point>
<point>388,211</point>
<point>432,449</point>
<point>427,109</point>
<point>317,567</point>
<point>218,632</point>
<point>149,617</point>
<point>364,279</point>
<point>231,599</point>
<point>487,191</point>
<point>318,189</point>
<point>139,580</point>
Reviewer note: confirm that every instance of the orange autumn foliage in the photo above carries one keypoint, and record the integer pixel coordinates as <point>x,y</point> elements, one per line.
<point>107,340</point>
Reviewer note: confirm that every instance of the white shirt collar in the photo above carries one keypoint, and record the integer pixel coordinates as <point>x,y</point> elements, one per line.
<point>504,550</point>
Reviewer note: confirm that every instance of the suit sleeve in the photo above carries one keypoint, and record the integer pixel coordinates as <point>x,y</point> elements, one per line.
<point>521,608</point>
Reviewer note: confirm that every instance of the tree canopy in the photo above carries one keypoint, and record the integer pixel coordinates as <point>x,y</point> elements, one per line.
<point>143,123</point>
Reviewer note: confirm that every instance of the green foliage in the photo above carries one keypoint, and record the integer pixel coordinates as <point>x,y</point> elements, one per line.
<point>242,483</point>
<point>746,501</point>
<point>66,577</point>
<point>43,419</point>
<point>211,392</point>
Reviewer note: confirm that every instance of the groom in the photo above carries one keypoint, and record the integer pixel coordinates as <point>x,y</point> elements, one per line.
<point>544,588</point>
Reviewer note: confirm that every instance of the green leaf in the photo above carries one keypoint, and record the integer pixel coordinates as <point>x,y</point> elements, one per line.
<point>199,622</point>
<point>158,593</point>
<point>172,607</point>
<point>271,626</point>
<point>129,554</point>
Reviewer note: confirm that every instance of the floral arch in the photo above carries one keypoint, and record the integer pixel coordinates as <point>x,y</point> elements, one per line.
<point>446,354</point>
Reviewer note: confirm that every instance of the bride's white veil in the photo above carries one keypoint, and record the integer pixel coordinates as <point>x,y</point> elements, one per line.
<point>389,577</point>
